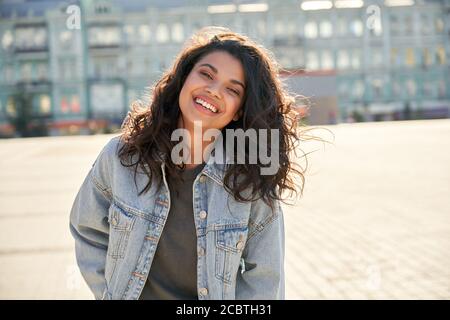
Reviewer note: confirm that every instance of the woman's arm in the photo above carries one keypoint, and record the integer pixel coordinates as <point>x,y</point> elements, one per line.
<point>263,276</point>
<point>90,227</point>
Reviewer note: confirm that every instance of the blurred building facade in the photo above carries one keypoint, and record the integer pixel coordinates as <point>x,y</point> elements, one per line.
<point>69,67</point>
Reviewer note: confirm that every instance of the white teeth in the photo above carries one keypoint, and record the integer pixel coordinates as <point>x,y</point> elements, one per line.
<point>206,105</point>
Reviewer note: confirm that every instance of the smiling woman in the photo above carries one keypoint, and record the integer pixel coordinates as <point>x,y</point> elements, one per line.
<point>211,93</point>
<point>203,230</point>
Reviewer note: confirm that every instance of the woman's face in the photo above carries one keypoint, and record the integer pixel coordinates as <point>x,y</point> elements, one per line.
<point>213,91</point>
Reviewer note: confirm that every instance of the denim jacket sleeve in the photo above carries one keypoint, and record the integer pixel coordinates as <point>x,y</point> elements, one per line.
<point>90,228</point>
<point>263,258</point>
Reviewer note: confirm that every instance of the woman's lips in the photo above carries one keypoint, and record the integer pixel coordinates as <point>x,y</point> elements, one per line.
<point>208,100</point>
<point>202,109</point>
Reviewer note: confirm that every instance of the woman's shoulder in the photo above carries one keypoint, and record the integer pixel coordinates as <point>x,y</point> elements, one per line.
<point>111,148</point>
<point>108,158</point>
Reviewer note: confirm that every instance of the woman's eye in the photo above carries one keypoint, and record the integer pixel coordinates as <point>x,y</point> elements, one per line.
<point>234,91</point>
<point>206,74</point>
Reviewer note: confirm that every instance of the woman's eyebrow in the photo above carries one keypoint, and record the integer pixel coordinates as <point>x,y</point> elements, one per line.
<point>216,71</point>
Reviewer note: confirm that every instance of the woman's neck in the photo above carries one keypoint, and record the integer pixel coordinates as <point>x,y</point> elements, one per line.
<point>194,142</point>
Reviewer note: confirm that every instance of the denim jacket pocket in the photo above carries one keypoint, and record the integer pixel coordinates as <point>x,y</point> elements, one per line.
<point>230,244</point>
<point>121,223</point>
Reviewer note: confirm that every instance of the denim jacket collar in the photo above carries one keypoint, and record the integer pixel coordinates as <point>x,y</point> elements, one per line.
<point>214,169</point>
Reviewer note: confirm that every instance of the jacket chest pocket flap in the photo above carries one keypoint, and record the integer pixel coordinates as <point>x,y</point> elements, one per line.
<point>230,244</point>
<point>121,223</point>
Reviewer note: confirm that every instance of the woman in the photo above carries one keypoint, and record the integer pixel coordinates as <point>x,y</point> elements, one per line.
<point>151,223</point>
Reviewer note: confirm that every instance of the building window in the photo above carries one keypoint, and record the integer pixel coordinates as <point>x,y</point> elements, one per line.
<point>65,39</point>
<point>7,40</point>
<point>397,89</point>
<point>44,104</point>
<point>40,37</point>
<point>358,89</point>
<point>377,88</point>
<point>408,24</point>
<point>356,58</point>
<point>42,71</point>
<point>26,71</point>
<point>395,57</point>
<point>64,105</point>
<point>326,29</point>
<point>31,38</point>
<point>376,57</point>
<point>343,89</point>
<point>162,33</point>
<point>357,28</point>
<point>342,26</point>
<point>11,107</point>
<point>67,69</point>
<point>427,57</point>
<point>129,31</point>
<point>439,24</point>
<point>430,88</point>
<point>291,27</point>
<point>104,36</point>
<point>440,55</point>
<point>8,74</point>
<point>144,34</point>
<point>394,25</point>
<point>75,104</point>
<point>70,103</point>
<point>311,30</point>
<point>425,23</point>
<point>411,87</point>
<point>342,59</point>
<point>177,32</point>
<point>280,29</point>
<point>312,60</point>
<point>410,57</point>
<point>327,60</point>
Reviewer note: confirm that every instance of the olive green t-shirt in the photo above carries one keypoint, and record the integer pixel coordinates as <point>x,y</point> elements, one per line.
<point>173,273</point>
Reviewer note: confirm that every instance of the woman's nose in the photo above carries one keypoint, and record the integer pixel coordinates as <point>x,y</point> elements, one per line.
<point>214,91</point>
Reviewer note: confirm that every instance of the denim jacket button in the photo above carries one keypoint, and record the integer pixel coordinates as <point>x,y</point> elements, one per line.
<point>203,291</point>
<point>114,221</point>
<point>202,178</point>
<point>201,252</point>
<point>203,214</point>
<point>240,245</point>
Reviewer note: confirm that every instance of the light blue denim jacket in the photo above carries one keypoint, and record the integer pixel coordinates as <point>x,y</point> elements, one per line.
<point>240,245</point>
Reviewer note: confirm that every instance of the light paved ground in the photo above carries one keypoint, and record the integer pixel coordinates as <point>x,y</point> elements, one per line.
<point>374,221</point>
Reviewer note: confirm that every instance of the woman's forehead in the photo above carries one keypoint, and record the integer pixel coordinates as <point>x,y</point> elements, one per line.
<point>224,64</point>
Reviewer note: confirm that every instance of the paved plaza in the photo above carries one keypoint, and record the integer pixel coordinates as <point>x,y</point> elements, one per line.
<point>373,223</point>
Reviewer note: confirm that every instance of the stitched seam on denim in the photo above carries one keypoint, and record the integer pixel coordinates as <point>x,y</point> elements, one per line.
<point>224,247</point>
<point>213,177</point>
<point>221,276</point>
<point>113,270</point>
<point>136,212</point>
<point>104,191</point>
<point>146,262</point>
<point>259,228</point>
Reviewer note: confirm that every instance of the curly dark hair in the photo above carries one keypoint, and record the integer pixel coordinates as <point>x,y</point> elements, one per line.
<point>146,132</point>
